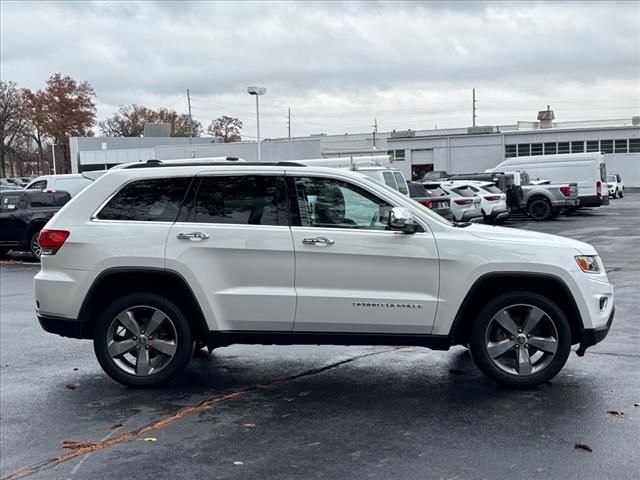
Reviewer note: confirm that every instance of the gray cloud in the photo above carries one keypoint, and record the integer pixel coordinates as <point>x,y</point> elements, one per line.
<point>339,64</point>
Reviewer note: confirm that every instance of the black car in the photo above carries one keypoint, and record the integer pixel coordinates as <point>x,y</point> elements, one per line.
<point>23,213</point>
<point>433,197</point>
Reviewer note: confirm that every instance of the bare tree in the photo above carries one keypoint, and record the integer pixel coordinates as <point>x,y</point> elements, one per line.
<point>12,120</point>
<point>129,121</point>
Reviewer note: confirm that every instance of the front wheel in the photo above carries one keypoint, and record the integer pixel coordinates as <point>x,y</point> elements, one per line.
<point>142,340</point>
<point>521,339</point>
<point>620,193</point>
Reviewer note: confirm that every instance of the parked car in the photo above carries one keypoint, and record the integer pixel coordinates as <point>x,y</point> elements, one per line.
<point>615,185</point>
<point>7,184</point>
<point>435,198</point>
<point>152,259</point>
<point>436,175</point>
<point>493,203</point>
<point>588,170</point>
<point>23,214</point>
<point>465,203</point>
<point>72,183</point>
<point>509,184</point>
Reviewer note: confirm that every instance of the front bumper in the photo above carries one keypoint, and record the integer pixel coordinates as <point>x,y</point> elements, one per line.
<point>591,336</point>
<point>64,327</point>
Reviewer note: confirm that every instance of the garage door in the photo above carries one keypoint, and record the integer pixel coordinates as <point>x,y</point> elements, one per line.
<point>421,157</point>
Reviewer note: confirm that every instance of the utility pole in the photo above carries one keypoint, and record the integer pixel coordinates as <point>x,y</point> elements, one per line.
<point>289,122</point>
<point>190,117</point>
<point>474,107</point>
<point>375,130</point>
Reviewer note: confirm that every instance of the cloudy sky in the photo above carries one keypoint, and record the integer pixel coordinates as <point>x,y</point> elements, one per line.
<point>337,65</point>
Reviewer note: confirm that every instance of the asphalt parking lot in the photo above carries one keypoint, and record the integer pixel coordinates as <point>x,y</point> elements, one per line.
<point>328,412</point>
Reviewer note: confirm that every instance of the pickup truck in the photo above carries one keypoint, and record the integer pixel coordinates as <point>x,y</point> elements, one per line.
<point>540,202</point>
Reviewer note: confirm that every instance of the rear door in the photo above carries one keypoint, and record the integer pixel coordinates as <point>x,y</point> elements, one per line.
<point>352,274</point>
<point>11,224</point>
<point>233,245</point>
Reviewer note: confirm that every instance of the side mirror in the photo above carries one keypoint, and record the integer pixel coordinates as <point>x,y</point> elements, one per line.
<point>401,220</point>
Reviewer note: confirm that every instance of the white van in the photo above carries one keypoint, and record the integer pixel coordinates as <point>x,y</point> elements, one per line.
<point>589,170</point>
<point>72,183</point>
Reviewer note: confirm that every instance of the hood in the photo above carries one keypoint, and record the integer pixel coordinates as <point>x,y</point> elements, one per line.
<point>514,235</point>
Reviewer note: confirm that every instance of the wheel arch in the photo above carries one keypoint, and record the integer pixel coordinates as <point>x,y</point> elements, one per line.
<point>118,281</point>
<point>492,284</point>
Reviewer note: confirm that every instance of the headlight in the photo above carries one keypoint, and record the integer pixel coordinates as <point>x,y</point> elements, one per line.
<point>588,263</point>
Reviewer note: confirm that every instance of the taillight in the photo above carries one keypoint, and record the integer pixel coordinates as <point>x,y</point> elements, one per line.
<point>463,201</point>
<point>566,190</point>
<point>599,188</point>
<point>427,203</point>
<point>51,240</point>
<point>492,198</point>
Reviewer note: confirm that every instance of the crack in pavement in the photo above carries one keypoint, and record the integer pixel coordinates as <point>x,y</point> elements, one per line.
<point>183,412</point>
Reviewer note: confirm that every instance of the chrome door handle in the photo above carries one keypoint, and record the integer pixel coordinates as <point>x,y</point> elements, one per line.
<point>318,241</point>
<point>193,236</point>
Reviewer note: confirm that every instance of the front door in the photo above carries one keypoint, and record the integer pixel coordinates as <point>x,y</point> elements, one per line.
<point>352,274</point>
<point>234,247</point>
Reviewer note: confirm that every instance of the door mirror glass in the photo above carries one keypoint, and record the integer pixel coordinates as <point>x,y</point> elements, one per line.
<point>401,219</point>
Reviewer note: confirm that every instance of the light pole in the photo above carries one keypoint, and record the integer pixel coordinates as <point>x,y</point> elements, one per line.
<point>257,91</point>
<point>53,153</point>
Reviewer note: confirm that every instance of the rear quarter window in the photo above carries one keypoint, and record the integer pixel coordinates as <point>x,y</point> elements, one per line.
<point>153,200</point>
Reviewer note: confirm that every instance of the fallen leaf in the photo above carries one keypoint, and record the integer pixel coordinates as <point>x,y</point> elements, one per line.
<point>249,425</point>
<point>71,386</point>
<point>96,404</point>
<point>238,462</point>
<point>616,413</point>
<point>582,446</point>
<point>150,439</point>
<point>455,371</point>
<point>75,444</point>
<point>75,369</point>
<point>635,404</point>
<point>304,394</point>
<point>116,425</point>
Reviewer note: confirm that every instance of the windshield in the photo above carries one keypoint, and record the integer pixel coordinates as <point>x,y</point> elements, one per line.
<point>611,178</point>
<point>401,183</point>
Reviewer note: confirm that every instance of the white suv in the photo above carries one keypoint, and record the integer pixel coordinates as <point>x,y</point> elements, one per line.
<point>154,258</point>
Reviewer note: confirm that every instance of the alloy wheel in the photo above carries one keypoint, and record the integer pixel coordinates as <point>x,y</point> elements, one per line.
<point>521,339</point>
<point>142,340</point>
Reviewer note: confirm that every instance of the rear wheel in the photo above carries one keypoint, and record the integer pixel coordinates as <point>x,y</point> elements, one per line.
<point>34,246</point>
<point>539,209</point>
<point>521,339</point>
<point>142,340</point>
<point>620,193</point>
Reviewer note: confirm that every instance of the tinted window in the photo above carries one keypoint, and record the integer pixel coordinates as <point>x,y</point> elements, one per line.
<point>550,148</point>
<point>593,146</point>
<point>329,203</point>
<point>156,200</point>
<point>563,147</point>
<point>492,189</point>
<point>401,183</point>
<point>621,146</point>
<point>577,147</point>
<point>606,146</point>
<point>634,145</point>
<point>510,151</point>
<point>436,192</point>
<point>42,200</point>
<point>417,190</point>
<point>10,203</point>
<point>39,185</point>
<point>246,200</point>
<point>463,191</point>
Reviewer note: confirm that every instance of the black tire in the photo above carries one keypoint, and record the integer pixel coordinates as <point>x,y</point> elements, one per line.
<point>183,340</point>
<point>34,246</point>
<point>621,194</point>
<point>539,209</point>
<point>480,331</point>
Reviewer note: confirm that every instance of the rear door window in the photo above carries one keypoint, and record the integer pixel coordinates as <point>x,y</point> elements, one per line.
<point>152,200</point>
<point>242,200</point>
<point>42,200</point>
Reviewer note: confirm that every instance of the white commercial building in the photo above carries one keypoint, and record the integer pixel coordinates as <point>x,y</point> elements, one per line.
<point>456,150</point>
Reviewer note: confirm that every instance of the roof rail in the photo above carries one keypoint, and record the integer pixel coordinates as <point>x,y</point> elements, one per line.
<point>159,163</point>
